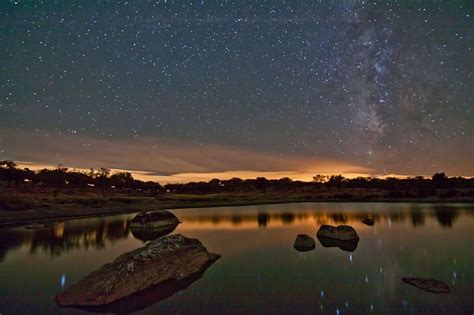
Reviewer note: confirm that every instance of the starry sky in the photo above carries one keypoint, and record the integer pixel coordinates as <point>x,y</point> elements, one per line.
<point>191,90</point>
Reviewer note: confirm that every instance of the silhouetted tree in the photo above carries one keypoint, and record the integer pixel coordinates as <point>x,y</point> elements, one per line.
<point>261,183</point>
<point>7,171</point>
<point>55,178</point>
<point>440,180</point>
<point>102,180</point>
<point>336,181</point>
<point>320,178</point>
<point>121,180</point>
<point>417,187</point>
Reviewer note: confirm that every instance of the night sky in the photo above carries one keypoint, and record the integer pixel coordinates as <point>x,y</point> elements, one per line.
<point>192,89</point>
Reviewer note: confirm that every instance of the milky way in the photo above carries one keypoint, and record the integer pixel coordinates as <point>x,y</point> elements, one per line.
<point>387,86</point>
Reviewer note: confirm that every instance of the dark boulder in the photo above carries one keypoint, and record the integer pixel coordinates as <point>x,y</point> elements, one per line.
<point>341,232</point>
<point>304,243</point>
<point>170,258</point>
<point>429,285</point>
<point>150,225</point>
<point>368,221</point>
<point>153,219</point>
<point>343,236</point>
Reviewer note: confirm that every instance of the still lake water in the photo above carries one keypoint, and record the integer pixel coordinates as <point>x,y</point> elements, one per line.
<point>260,271</point>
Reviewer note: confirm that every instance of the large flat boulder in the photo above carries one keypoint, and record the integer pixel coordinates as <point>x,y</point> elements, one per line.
<point>144,299</point>
<point>170,258</point>
<point>429,285</point>
<point>341,232</point>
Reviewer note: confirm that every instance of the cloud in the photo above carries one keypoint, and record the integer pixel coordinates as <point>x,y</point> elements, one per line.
<point>164,160</point>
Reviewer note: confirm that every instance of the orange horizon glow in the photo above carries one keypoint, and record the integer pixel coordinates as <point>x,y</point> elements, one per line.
<point>305,176</point>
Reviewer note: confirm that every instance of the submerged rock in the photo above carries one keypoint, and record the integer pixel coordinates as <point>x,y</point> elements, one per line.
<point>304,243</point>
<point>347,246</point>
<point>153,219</point>
<point>368,221</point>
<point>341,233</point>
<point>429,285</point>
<point>170,258</point>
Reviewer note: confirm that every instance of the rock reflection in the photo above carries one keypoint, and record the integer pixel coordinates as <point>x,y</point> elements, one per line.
<point>368,221</point>
<point>147,297</point>
<point>347,246</point>
<point>149,234</point>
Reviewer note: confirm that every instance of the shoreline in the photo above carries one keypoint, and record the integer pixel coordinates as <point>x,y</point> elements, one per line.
<point>55,213</point>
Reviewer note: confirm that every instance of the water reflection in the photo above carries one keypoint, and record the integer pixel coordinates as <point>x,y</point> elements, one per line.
<point>417,217</point>
<point>445,215</point>
<point>63,237</point>
<point>432,241</point>
<point>262,219</point>
<point>95,233</point>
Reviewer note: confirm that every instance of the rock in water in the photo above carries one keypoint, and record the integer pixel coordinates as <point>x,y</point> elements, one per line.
<point>148,234</point>
<point>304,243</point>
<point>153,219</point>
<point>150,225</point>
<point>429,285</point>
<point>169,258</point>
<point>368,221</point>
<point>341,233</point>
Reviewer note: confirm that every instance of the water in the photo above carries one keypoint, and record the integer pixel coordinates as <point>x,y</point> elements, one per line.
<point>260,271</point>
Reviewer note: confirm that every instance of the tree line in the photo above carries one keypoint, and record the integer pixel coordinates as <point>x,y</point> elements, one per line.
<point>61,177</point>
<point>103,179</point>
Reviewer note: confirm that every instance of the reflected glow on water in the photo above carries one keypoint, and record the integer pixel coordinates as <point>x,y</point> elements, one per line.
<point>260,271</point>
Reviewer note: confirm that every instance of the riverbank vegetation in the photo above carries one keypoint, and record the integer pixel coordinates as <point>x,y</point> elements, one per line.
<point>27,195</point>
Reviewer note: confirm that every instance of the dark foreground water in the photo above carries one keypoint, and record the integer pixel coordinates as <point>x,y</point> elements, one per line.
<point>260,271</point>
